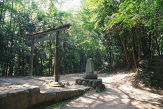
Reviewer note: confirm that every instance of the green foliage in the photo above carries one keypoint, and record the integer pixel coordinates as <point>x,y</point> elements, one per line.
<point>127,68</point>
<point>161,106</point>
<point>111,19</point>
<point>26,78</point>
<point>41,15</point>
<point>6,7</point>
<point>55,105</point>
<point>101,30</point>
<point>50,85</point>
<point>87,92</point>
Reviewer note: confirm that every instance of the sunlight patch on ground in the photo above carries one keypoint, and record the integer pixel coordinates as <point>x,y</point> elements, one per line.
<point>96,103</point>
<point>87,100</point>
<point>125,101</point>
<point>120,94</point>
<point>124,96</point>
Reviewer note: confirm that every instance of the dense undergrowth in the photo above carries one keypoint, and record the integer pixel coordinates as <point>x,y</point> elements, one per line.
<point>152,76</point>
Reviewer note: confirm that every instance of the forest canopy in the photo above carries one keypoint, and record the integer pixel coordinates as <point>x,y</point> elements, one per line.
<point>116,34</point>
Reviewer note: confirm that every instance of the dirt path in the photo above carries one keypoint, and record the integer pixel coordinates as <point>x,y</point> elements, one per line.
<point>18,83</point>
<point>120,94</point>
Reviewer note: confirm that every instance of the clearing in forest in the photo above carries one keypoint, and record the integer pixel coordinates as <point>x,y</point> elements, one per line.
<point>122,92</point>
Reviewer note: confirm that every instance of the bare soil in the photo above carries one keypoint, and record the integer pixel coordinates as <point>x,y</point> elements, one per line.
<point>122,91</point>
<point>21,83</point>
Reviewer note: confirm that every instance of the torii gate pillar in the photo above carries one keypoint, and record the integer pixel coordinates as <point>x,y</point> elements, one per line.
<point>50,31</point>
<point>56,61</point>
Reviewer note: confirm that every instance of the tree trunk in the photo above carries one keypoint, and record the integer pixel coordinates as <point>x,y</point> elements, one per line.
<point>150,34</point>
<point>110,57</point>
<point>110,44</point>
<point>3,73</point>
<point>36,68</point>
<point>139,57</point>
<point>158,48</point>
<point>23,63</point>
<point>19,62</point>
<point>31,58</point>
<point>144,43</point>
<point>1,16</point>
<point>133,49</point>
<point>126,54</point>
<point>3,21</point>
<point>11,52</point>
<point>161,49</point>
<point>41,67</point>
<point>50,59</point>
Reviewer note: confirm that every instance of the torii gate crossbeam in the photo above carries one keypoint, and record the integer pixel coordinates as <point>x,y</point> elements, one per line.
<point>50,31</point>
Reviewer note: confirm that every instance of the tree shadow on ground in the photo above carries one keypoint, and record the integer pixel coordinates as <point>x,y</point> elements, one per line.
<point>113,98</point>
<point>117,97</point>
<point>151,101</point>
<point>106,100</point>
<point>137,83</point>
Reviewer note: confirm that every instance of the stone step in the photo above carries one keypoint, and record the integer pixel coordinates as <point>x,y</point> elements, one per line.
<point>95,83</point>
<point>28,98</point>
<point>90,76</point>
<point>89,82</point>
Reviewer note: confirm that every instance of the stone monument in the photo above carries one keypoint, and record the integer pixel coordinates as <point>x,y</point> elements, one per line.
<point>89,66</point>
<point>89,78</point>
<point>90,70</point>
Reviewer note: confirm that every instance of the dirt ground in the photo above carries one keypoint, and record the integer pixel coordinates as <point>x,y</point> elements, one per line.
<point>123,92</point>
<point>21,82</point>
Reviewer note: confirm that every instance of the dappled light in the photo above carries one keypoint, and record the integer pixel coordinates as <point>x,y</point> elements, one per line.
<point>119,95</point>
<point>55,50</point>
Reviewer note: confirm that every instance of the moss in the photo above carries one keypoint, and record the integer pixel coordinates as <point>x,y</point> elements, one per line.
<point>87,92</point>
<point>26,78</point>
<point>55,105</point>
<point>50,85</point>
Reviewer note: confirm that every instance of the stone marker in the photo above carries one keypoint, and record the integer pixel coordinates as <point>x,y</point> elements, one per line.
<point>90,70</point>
<point>90,79</point>
<point>89,66</point>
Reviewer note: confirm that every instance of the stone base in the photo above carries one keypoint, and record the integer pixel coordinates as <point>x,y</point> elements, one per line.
<point>100,89</point>
<point>95,83</point>
<point>56,84</point>
<point>90,76</point>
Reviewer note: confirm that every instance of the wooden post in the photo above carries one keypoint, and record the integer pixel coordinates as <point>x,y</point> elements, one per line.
<point>50,31</point>
<point>31,58</point>
<point>56,62</point>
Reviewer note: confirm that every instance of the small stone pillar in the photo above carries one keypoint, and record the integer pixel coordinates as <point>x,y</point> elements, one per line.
<point>90,66</point>
<point>90,70</point>
<point>90,79</point>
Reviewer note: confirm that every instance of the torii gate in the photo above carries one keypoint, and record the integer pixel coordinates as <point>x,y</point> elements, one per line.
<point>57,36</point>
